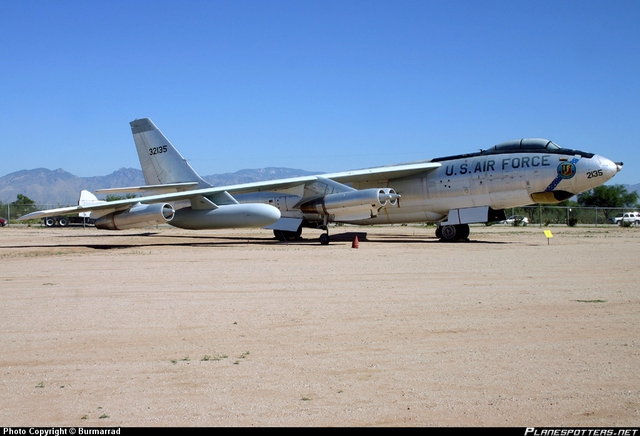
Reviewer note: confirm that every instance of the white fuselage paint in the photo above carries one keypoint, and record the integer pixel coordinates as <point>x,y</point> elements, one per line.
<point>499,181</point>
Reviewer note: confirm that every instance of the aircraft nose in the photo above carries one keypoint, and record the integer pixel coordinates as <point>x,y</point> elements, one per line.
<point>608,167</point>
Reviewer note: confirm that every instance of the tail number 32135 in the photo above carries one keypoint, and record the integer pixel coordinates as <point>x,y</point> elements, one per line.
<point>157,150</point>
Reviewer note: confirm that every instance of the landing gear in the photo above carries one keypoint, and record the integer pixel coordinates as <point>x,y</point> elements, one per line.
<point>285,235</point>
<point>289,235</point>
<point>452,233</point>
<point>324,238</point>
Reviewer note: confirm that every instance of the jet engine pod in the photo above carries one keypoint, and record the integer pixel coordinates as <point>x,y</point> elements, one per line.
<point>140,215</point>
<point>351,205</point>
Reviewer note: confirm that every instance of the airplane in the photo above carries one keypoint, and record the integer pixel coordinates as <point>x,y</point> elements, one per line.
<point>452,191</point>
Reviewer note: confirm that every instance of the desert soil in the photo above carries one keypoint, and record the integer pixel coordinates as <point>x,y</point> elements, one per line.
<point>166,327</point>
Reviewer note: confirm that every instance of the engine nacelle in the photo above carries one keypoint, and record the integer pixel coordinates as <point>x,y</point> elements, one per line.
<point>140,215</point>
<point>351,205</point>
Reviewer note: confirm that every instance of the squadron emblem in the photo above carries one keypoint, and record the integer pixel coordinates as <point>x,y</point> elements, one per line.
<point>566,170</point>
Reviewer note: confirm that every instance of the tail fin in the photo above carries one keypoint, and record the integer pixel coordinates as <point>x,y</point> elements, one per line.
<point>161,163</point>
<point>87,199</point>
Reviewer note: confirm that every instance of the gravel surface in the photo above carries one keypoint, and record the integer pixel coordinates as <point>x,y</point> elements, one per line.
<point>166,327</point>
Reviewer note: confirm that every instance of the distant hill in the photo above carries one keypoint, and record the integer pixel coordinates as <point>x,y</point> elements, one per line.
<point>61,188</point>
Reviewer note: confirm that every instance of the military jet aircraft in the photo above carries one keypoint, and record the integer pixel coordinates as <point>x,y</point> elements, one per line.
<point>452,191</point>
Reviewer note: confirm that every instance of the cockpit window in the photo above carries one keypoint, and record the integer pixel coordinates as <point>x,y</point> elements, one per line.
<point>536,145</point>
<point>553,146</point>
<point>526,144</point>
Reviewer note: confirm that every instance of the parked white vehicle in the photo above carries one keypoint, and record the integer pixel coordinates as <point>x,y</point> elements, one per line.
<point>515,220</point>
<point>615,220</point>
<point>630,219</point>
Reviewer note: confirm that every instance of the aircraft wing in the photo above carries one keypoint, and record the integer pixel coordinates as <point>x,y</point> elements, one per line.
<point>152,189</point>
<point>377,173</point>
<point>383,173</point>
<point>104,208</point>
<point>368,174</point>
<point>72,210</point>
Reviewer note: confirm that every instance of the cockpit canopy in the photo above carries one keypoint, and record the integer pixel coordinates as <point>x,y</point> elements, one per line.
<point>532,145</point>
<point>526,144</point>
<point>540,145</point>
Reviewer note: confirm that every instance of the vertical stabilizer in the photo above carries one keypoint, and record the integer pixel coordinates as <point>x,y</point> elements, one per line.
<point>87,199</point>
<point>161,163</point>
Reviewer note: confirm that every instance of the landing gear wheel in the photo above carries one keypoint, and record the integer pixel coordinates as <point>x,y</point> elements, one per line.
<point>324,239</point>
<point>448,233</point>
<point>286,235</point>
<point>463,232</point>
<point>459,232</point>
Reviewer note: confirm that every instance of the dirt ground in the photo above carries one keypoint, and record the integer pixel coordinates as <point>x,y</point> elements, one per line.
<point>166,327</point>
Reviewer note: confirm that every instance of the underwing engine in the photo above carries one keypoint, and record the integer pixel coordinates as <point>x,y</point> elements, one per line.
<point>140,215</point>
<point>351,205</point>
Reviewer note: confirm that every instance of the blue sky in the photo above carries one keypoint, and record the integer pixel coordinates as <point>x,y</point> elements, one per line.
<point>316,85</point>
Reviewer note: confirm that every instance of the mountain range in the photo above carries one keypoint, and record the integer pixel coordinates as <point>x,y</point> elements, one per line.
<point>54,188</point>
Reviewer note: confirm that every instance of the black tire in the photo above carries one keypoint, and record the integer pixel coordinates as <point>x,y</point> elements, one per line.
<point>459,232</point>
<point>284,235</point>
<point>324,239</point>
<point>64,222</point>
<point>49,222</point>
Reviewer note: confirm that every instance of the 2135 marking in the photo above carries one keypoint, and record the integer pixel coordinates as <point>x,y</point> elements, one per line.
<point>593,174</point>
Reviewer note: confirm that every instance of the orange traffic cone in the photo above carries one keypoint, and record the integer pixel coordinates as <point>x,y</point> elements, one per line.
<point>355,243</point>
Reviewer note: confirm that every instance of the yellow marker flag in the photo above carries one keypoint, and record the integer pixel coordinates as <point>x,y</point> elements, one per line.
<point>548,234</point>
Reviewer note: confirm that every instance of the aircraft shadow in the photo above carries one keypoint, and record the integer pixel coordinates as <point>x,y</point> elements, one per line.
<point>202,240</point>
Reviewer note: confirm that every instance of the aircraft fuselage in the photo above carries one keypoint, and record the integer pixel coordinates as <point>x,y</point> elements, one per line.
<point>511,174</point>
<point>499,181</point>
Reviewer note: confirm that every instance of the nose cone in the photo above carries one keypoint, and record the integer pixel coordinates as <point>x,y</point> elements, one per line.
<point>608,167</point>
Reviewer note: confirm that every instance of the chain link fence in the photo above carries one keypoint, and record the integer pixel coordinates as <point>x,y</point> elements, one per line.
<point>545,215</point>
